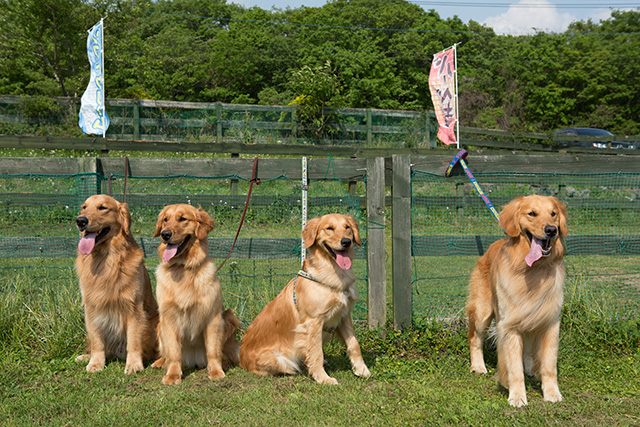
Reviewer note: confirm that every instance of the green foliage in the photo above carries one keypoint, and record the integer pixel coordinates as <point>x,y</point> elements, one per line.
<point>318,88</point>
<point>380,54</point>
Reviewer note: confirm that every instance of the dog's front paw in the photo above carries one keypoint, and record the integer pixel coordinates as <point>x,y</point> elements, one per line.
<point>172,379</point>
<point>93,367</point>
<point>362,371</point>
<point>551,393</point>
<point>216,374</point>
<point>479,369</point>
<point>133,367</point>
<point>329,380</point>
<point>83,358</point>
<point>517,400</point>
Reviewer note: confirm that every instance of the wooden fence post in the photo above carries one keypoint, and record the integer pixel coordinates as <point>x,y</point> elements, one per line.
<point>218,123</point>
<point>136,119</point>
<point>401,241</point>
<point>369,128</point>
<point>294,124</point>
<point>376,244</point>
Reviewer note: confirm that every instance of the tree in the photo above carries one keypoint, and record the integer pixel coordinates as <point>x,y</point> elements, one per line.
<point>317,88</point>
<point>42,44</point>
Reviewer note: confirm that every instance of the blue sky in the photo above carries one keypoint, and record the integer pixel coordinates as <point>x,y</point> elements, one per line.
<point>504,16</point>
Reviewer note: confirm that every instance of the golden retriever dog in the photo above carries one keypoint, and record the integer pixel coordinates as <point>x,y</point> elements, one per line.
<point>194,330</point>
<point>519,282</point>
<point>291,330</point>
<point>120,312</point>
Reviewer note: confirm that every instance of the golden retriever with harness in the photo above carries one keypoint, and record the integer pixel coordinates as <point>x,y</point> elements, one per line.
<point>290,331</point>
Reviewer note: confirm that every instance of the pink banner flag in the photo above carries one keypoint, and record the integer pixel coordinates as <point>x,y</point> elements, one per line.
<point>443,89</point>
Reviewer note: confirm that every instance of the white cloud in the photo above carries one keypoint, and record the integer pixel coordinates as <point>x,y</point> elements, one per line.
<point>529,16</point>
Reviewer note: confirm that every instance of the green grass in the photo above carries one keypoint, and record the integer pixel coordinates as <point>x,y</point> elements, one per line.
<point>419,377</point>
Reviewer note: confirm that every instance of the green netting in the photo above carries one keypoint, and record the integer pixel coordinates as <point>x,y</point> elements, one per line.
<point>452,226</point>
<point>39,239</point>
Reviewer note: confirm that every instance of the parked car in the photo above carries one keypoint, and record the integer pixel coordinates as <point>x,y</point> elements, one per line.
<point>590,132</point>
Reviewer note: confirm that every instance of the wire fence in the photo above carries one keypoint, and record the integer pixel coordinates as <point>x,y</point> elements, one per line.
<point>39,238</point>
<point>451,227</point>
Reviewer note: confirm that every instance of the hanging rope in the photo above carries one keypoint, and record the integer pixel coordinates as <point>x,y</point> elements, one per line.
<point>254,180</point>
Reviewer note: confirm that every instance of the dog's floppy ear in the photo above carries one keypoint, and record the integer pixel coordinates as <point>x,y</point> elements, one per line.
<point>159,223</point>
<point>310,232</point>
<point>509,217</point>
<point>562,208</point>
<point>125,218</point>
<point>356,232</point>
<point>205,224</point>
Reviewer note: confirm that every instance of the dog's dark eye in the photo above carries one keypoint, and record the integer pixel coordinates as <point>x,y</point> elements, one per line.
<point>102,208</point>
<point>330,228</point>
<point>553,214</point>
<point>532,213</point>
<point>165,219</point>
<point>182,219</point>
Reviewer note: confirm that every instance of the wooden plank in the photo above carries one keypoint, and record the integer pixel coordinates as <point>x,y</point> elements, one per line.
<point>101,144</point>
<point>376,244</point>
<point>40,165</point>
<point>318,169</point>
<point>401,242</point>
<point>485,161</point>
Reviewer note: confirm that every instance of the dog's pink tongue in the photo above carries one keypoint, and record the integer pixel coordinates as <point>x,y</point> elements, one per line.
<point>169,252</point>
<point>87,242</point>
<point>535,253</point>
<point>343,260</point>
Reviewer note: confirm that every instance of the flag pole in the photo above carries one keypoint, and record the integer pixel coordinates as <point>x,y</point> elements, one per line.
<point>104,107</point>
<point>455,66</point>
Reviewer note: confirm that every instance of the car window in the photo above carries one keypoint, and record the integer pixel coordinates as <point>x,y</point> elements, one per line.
<point>594,132</point>
<point>566,132</point>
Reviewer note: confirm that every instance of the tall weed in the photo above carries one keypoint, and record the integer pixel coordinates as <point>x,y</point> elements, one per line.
<point>45,321</point>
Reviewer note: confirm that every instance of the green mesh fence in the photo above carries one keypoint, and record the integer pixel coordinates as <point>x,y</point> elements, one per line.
<point>452,226</point>
<point>39,239</point>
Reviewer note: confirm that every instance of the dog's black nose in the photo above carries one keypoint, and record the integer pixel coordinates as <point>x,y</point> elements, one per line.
<point>345,242</point>
<point>166,235</point>
<point>82,222</point>
<point>551,230</point>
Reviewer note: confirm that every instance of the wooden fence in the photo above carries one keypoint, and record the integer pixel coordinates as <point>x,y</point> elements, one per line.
<point>228,125</point>
<point>382,170</point>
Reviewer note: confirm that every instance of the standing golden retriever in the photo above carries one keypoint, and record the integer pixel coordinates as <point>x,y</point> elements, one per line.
<point>194,330</point>
<point>292,328</point>
<point>120,312</point>
<point>519,282</point>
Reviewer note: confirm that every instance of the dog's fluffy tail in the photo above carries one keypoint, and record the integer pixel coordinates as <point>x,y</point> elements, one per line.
<point>275,363</point>
<point>231,346</point>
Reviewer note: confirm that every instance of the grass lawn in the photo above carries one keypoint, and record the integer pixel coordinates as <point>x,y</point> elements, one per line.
<point>419,377</point>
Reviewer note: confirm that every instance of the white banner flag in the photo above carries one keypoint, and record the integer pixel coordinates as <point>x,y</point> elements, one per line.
<point>93,116</point>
